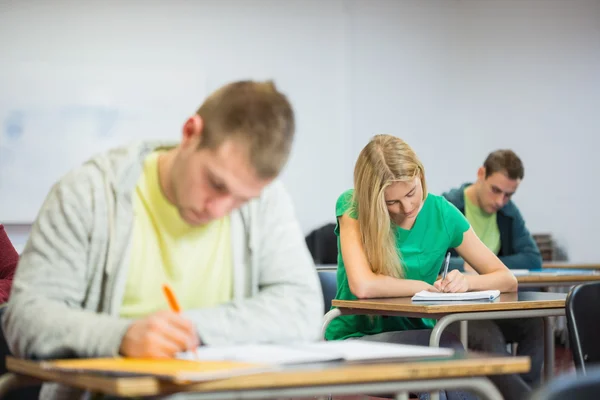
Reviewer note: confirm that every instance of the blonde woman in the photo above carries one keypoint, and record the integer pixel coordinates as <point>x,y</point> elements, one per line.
<point>392,239</point>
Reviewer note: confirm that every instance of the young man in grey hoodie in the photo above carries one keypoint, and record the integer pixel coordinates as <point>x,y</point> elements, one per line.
<point>206,216</point>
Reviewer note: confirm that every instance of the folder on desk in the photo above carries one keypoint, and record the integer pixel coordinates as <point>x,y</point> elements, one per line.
<point>425,295</point>
<point>167,369</point>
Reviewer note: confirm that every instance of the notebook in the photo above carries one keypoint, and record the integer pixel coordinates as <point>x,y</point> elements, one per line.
<point>337,350</point>
<point>425,295</point>
<point>220,362</point>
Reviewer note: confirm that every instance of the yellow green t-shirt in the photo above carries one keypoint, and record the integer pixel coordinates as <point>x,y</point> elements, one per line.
<point>195,260</point>
<point>484,225</point>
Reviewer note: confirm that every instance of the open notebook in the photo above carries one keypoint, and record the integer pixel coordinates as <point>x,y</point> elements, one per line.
<point>219,362</point>
<point>348,350</point>
<point>424,295</point>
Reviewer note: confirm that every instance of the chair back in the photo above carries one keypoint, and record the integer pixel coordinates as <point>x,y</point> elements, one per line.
<point>572,386</point>
<point>322,244</point>
<point>583,323</point>
<point>328,280</point>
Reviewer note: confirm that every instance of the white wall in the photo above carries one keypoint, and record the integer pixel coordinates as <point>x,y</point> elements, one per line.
<point>298,43</point>
<point>460,79</point>
<point>456,79</point>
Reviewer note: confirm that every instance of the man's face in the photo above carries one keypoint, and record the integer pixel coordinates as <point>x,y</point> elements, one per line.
<point>495,191</point>
<point>210,183</point>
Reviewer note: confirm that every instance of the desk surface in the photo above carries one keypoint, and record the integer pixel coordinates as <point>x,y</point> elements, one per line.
<point>570,265</point>
<point>458,366</point>
<point>506,301</point>
<point>562,277</point>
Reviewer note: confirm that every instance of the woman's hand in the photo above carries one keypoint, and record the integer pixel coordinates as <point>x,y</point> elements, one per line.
<point>455,282</point>
<point>427,287</point>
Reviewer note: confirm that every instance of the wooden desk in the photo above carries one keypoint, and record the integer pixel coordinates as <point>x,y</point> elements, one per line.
<point>462,371</point>
<point>561,278</point>
<point>507,306</point>
<point>565,265</point>
<point>406,307</point>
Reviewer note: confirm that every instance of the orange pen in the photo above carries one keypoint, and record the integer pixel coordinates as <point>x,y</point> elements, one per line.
<point>173,304</point>
<point>171,299</point>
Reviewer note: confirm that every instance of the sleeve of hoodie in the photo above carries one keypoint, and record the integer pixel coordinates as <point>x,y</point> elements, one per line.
<point>44,317</point>
<point>289,304</point>
<point>526,253</point>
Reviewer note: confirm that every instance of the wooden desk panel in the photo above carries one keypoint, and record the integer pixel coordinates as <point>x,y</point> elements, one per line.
<point>506,301</point>
<point>545,278</point>
<point>458,366</point>
<point>565,265</point>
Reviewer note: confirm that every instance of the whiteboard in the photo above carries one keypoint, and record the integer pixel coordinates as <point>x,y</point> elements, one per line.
<point>54,117</point>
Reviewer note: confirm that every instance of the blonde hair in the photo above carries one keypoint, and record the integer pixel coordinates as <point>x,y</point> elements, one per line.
<point>256,114</point>
<point>384,160</point>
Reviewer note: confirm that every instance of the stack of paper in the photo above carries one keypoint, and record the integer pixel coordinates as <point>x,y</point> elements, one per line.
<point>218,362</point>
<point>425,295</point>
<point>349,350</point>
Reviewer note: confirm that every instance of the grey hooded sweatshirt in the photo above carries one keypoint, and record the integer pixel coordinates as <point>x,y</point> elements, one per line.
<point>71,277</point>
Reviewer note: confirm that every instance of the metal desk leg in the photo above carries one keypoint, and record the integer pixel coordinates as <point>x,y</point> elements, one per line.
<point>442,323</point>
<point>402,396</point>
<point>330,316</point>
<point>464,333</point>
<point>481,386</point>
<point>548,348</point>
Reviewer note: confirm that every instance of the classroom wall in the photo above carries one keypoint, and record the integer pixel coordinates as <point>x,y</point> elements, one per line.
<point>455,78</point>
<point>460,79</point>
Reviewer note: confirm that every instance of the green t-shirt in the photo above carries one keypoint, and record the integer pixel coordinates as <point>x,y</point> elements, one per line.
<point>485,225</point>
<point>438,227</point>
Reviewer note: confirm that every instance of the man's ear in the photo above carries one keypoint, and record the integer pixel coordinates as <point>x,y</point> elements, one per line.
<point>192,130</point>
<point>481,173</point>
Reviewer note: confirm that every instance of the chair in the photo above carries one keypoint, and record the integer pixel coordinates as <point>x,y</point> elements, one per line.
<point>328,280</point>
<point>322,244</point>
<point>573,386</point>
<point>13,390</point>
<point>583,323</point>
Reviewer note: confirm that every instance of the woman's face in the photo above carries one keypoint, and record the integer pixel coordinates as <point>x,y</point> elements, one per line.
<point>404,199</point>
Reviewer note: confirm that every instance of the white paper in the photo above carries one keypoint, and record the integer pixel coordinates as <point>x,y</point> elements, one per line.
<point>262,354</point>
<point>425,295</point>
<point>360,350</point>
<point>349,350</point>
<point>519,272</point>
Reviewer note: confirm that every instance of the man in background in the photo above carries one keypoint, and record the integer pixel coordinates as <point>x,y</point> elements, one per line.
<point>496,220</point>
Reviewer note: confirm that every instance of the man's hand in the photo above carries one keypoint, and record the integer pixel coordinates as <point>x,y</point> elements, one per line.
<point>455,282</point>
<point>160,335</point>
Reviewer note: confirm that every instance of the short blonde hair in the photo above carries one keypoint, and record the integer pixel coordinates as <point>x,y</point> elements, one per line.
<point>384,160</point>
<point>256,114</point>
